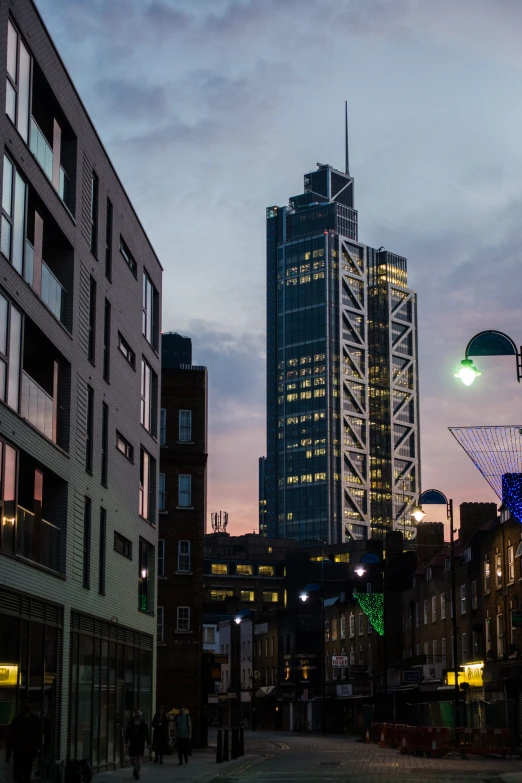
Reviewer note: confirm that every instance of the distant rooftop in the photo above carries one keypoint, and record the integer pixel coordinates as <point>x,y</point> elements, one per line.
<point>495,451</point>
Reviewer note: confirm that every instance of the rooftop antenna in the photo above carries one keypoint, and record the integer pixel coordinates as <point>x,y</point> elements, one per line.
<point>346,158</point>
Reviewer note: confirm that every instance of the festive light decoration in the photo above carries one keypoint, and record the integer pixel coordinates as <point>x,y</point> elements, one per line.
<point>512,494</point>
<point>495,451</point>
<point>372,605</point>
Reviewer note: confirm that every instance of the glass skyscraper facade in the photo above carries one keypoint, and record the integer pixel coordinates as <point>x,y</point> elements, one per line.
<point>342,404</point>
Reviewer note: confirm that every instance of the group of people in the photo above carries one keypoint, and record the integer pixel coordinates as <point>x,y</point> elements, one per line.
<point>137,737</point>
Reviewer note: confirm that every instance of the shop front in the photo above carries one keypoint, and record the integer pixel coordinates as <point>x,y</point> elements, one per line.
<point>31,632</point>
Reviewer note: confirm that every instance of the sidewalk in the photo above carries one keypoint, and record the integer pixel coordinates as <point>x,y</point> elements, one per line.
<point>201,767</point>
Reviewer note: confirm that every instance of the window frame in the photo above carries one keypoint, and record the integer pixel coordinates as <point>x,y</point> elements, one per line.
<point>95,189</point>
<point>511,564</point>
<point>161,493</point>
<point>104,478</point>
<point>118,537</point>
<point>102,552</point>
<point>109,221</point>
<point>183,428</point>
<point>180,609</point>
<point>145,506</point>
<point>107,341</point>
<point>186,554</point>
<point>150,306</point>
<point>463,599</point>
<point>185,491</point>
<point>160,629</point>
<point>163,427</point>
<point>87,540</point>
<point>91,339</point>
<point>161,558</point>
<point>89,431</point>
<point>126,351</point>
<point>128,450</point>
<point>128,257</point>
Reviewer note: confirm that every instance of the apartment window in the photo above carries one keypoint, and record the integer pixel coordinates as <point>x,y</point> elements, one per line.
<point>474,598</point>
<point>87,543</point>
<point>434,609</point>
<point>361,623</point>
<point>90,430</point>
<point>464,648</point>
<point>443,606</point>
<point>417,615</point>
<point>122,545</point>
<point>161,493</point>
<point>105,444</point>
<point>417,650</point>
<point>244,570</point>
<point>108,240</point>
<point>352,625</point>
<point>498,569</point>
<point>327,630</point>
<point>343,627</point>
<point>489,635</point>
<point>161,624</point>
<point>266,570</point>
<point>14,204</point>
<point>127,255</point>
<point>92,321</point>
<point>248,596</point>
<point>107,341</point>
<point>18,89</point>
<point>184,556</point>
<point>185,491</point>
<point>426,611</point>
<point>511,564</point>
<point>427,649</point>
<point>150,321</point>
<point>463,599</point>
<point>334,629</point>
<point>144,496</point>
<point>474,645</point>
<point>428,574</point>
<point>148,390</point>
<point>221,595</point>
<point>270,597</point>
<point>123,445</point>
<point>161,557</point>
<point>209,635</point>
<point>500,635</point>
<point>487,577</point>
<point>94,213</point>
<point>443,653</point>
<point>127,351</point>
<point>163,427</point>
<point>145,576</point>
<point>352,657</point>
<point>183,623</point>
<point>435,651</point>
<point>185,426</point>
<point>219,569</point>
<point>102,551</point>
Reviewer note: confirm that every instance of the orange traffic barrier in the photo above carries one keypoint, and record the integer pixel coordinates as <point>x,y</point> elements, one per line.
<point>486,742</point>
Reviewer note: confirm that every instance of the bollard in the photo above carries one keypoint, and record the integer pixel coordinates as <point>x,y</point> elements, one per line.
<point>367,738</point>
<point>226,757</point>
<point>241,741</point>
<point>219,748</point>
<point>233,753</point>
<point>404,748</point>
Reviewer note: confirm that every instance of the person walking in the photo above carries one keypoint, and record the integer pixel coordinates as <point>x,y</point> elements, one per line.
<point>183,735</point>
<point>23,743</point>
<point>160,734</point>
<point>137,736</point>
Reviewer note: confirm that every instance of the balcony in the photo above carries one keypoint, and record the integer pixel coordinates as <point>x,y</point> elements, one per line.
<point>38,407</point>
<point>37,539</point>
<point>52,292</point>
<point>43,153</point>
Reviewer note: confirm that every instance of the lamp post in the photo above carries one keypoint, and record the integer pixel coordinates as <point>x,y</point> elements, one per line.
<point>435,497</point>
<point>370,558</point>
<point>246,614</point>
<point>304,596</point>
<point>488,343</point>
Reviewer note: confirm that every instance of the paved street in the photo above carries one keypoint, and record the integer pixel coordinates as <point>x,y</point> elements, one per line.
<point>289,758</point>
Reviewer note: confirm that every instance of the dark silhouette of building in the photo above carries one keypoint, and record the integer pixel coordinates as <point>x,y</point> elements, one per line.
<point>182,503</point>
<point>176,351</point>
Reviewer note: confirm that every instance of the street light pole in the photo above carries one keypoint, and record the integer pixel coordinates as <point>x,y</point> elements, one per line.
<point>253,678</point>
<point>454,612</point>
<point>323,655</point>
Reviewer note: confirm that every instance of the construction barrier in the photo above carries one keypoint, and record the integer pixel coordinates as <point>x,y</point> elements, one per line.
<point>434,741</point>
<point>487,742</point>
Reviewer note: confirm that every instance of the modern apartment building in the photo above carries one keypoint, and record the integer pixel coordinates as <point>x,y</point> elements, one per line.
<point>182,515</point>
<point>80,292</point>
<point>343,454</point>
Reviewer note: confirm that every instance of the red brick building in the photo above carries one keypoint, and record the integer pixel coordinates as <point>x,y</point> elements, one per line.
<point>182,515</point>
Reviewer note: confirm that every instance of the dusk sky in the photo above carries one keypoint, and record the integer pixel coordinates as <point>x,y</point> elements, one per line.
<point>212,110</point>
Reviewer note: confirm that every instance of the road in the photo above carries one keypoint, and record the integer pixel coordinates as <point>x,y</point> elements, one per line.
<point>290,758</point>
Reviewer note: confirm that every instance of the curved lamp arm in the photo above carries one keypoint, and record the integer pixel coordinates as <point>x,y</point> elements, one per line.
<point>493,343</point>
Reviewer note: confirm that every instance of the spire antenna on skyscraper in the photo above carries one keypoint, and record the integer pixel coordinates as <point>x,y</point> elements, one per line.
<point>346,158</point>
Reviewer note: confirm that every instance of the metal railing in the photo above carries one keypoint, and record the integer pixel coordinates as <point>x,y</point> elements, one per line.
<point>37,406</point>
<point>37,539</point>
<point>43,153</point>
<point>52,291</point>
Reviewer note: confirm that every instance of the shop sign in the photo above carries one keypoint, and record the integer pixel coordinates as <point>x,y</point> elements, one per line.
<point>411,676</point>
<point>344,690</point>
<point>472,674</point>
<point>8,675</point>
<point>358,670</point>
<point>340,661</point>
<point>221,658</point>
<point>260,628</point>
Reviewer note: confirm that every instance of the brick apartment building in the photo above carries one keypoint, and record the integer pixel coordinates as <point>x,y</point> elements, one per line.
<point>182,515</point>
<point>79,367</point>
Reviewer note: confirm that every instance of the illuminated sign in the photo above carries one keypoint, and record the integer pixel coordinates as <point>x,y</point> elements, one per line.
<point>8,675</point>
<point>472,674</point>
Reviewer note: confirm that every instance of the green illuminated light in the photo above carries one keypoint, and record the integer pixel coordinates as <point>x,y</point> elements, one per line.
<point>467,372</point>
<point>372,605</point>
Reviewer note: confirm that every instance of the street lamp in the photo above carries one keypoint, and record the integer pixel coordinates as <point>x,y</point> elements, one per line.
<point>246,614</point>
<point>304,595</point>
<point>417,513</point>
<point>360,570</point>
<point>435,497</point>
<point>488,343</point>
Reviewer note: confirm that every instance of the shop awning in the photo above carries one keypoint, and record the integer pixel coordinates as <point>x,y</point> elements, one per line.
<point>266,690</point>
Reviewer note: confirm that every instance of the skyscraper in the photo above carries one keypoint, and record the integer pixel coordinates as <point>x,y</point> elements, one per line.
<point>342,386</point>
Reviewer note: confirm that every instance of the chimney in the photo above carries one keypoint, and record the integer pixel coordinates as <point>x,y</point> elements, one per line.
<point>430,538</point>
<point>473,516</point>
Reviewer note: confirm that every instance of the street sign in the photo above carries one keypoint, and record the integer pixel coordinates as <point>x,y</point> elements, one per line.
<point>344,691</point>
<point>340,661</point>
<point>411,676</point>
<point>516,619</point>
<point>221,658</point>
<point>358,670</point>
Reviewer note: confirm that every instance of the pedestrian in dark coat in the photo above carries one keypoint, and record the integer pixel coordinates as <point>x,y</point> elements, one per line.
<point>137,736</point>
<point>160,734</point>
<point>183,735</point>
<point>23,743</point>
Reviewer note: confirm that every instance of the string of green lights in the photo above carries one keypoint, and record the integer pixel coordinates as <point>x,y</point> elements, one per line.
<point>372,605</point>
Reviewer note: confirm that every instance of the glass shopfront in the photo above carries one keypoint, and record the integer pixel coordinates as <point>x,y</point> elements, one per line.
<point>111,676</point>
<point>30,655</point>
